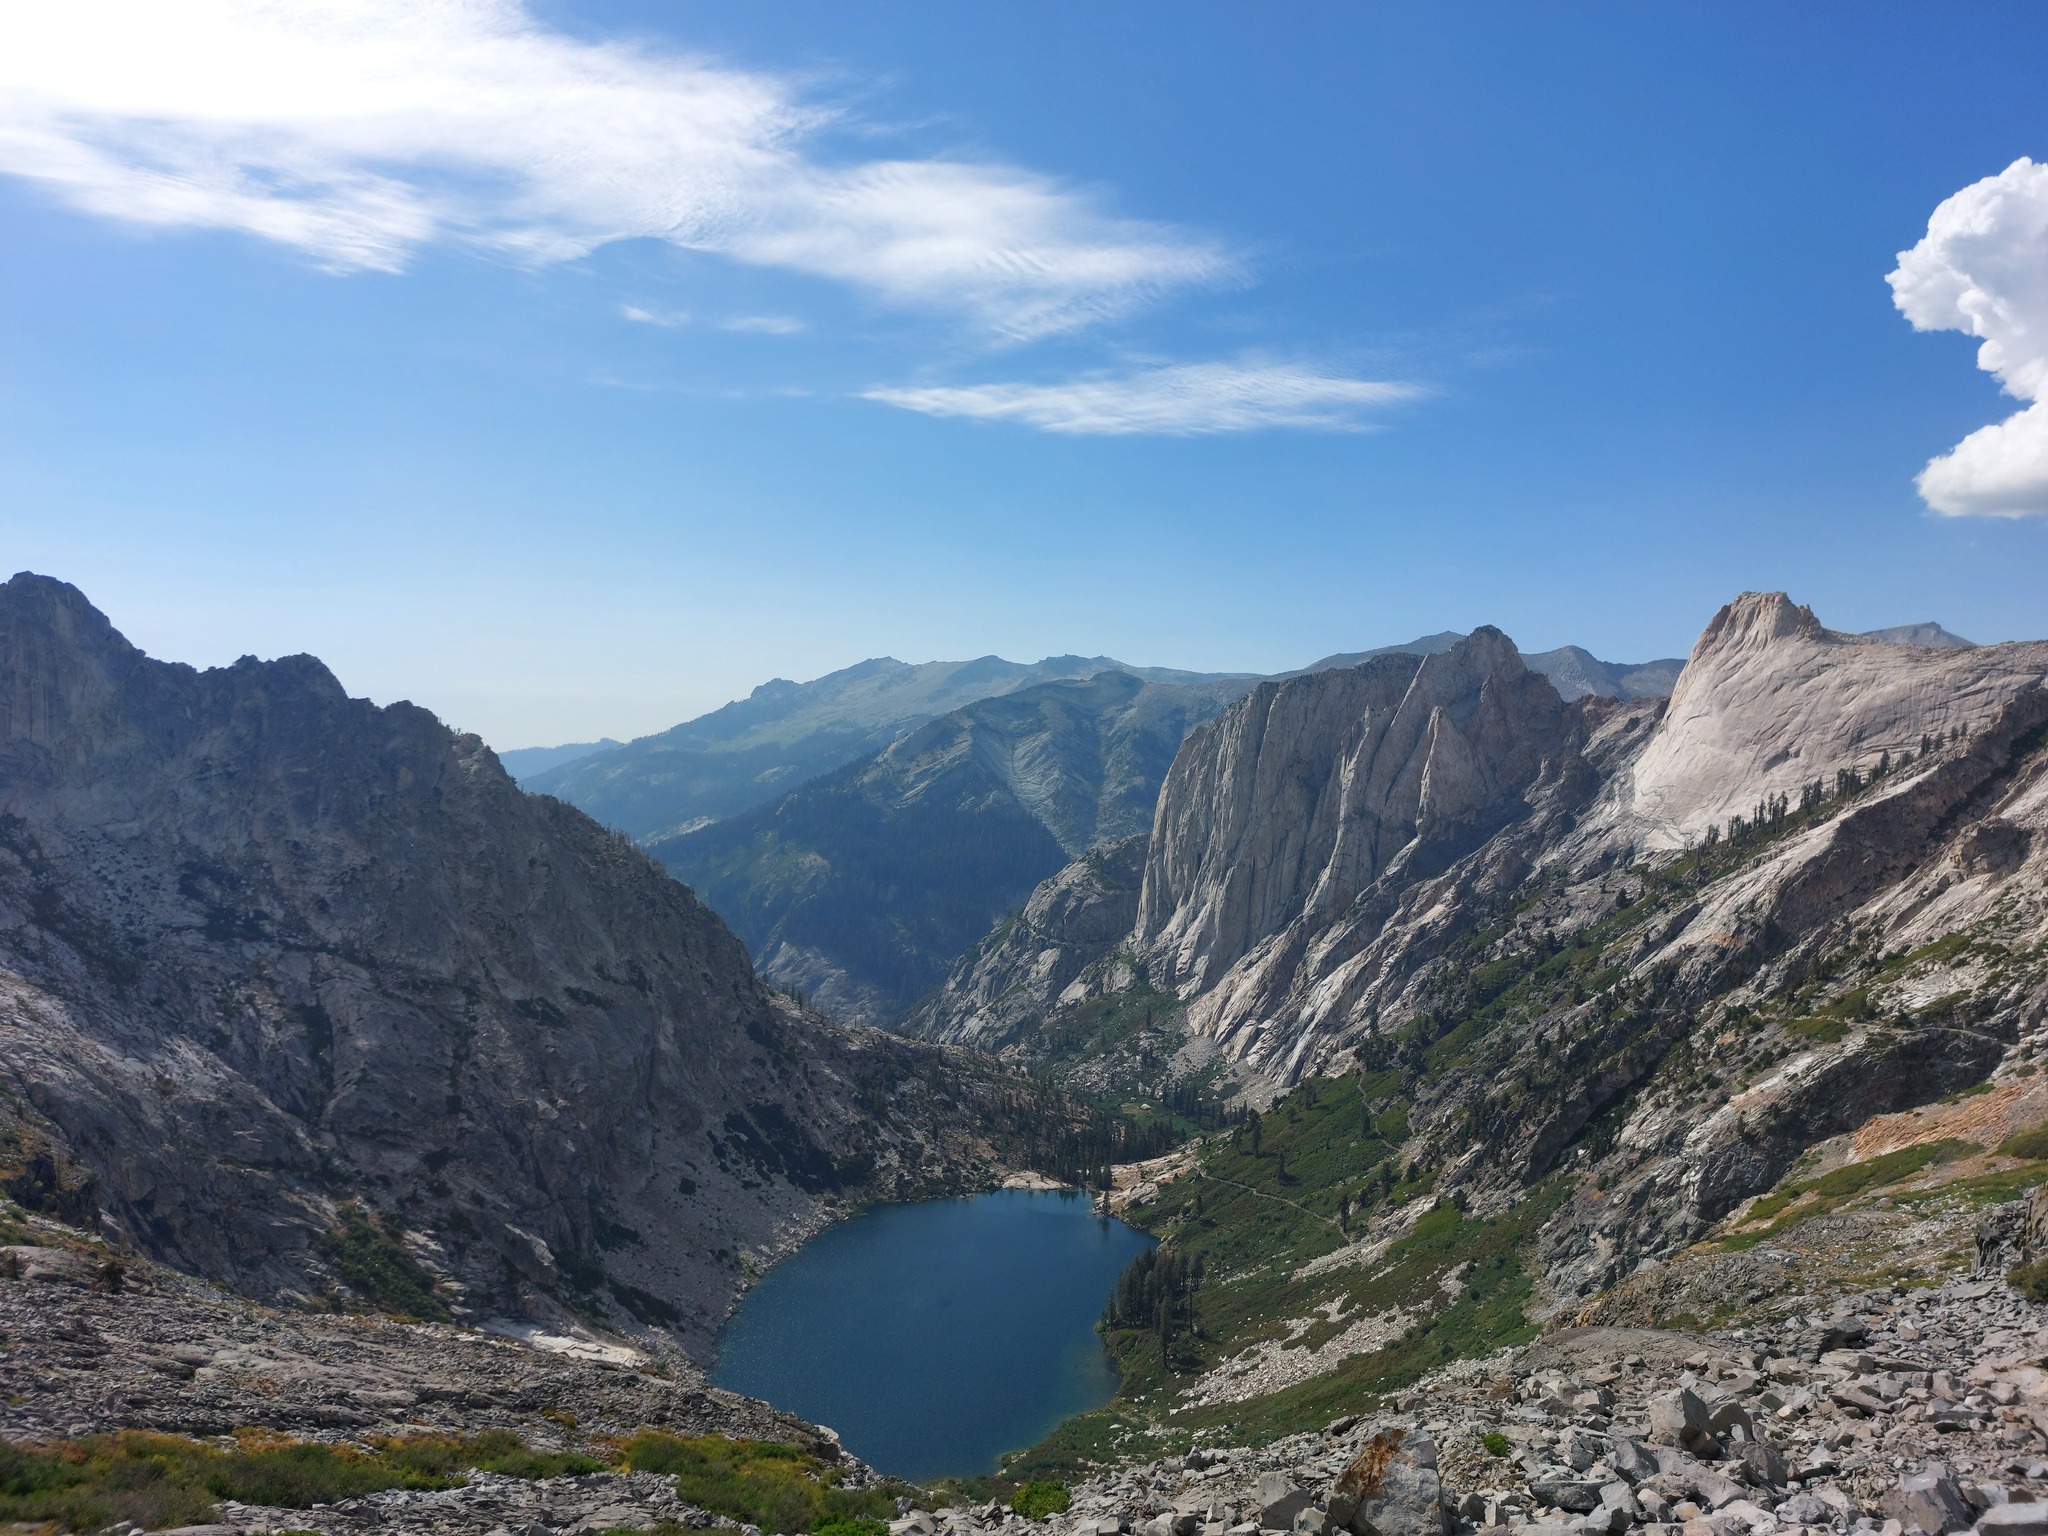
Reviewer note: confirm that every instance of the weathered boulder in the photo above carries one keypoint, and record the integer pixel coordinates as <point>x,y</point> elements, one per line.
<point>1930,1500</point>
<point>1280,1500</point>
<point>1390,1489</point>
<point>2014,1520</point>
<point>1680,1417</point>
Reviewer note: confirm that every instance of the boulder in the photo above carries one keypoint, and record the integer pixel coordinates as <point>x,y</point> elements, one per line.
<point>1280,1500</point>
<point>1715,1491</point>
<point>1630,1460</point>
<point>2014,1520</point>
<point>1679,1417</point>
<point>1574,1494</point>
<point>1766,1463</point>
<point>1931,1500</point>
<point>1388,1490</point>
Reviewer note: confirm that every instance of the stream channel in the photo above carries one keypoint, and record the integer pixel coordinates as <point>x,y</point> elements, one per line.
<point>936,1336</point>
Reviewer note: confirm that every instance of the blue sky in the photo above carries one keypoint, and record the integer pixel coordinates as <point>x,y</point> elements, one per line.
<point>571,369</point>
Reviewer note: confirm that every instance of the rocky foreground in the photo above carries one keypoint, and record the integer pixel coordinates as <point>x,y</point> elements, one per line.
<point>1893,1411</point>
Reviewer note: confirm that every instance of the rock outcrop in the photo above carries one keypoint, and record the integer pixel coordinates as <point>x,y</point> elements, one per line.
<point>861,888</point>
<point>1674,946</point>
<point>1051,952</point>
<point>1770,701</point>
<point>1308,792</point>
<point>296,990</point>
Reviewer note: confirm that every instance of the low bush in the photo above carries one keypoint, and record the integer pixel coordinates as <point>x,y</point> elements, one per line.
<point>1034,1501</point>
<point>2031,1143</point>
<point>757,1482</point>
<point>167,1480</point>
<point>2030,1280</point>
<point>375,1265</point>
<point>1496,1443</point>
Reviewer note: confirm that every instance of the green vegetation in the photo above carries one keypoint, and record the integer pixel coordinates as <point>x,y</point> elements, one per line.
<point>760,1482</point>
<point>368,1256</point>
<point>2030,1280</point>
<point>2031,1143</point>
<point>893,882</point>
<point>1825,1031</point>
<point>1034,1501</point>
<point>1816,1196</point>
<point>167,1480</point>
<point>1496,1443</point>
<point>1286,1187</point>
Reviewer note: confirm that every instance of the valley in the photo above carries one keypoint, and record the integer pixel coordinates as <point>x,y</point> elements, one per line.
<point>1427,1008</point>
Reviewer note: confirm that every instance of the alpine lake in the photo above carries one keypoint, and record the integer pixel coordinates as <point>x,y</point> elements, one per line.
<point>938,1335</point>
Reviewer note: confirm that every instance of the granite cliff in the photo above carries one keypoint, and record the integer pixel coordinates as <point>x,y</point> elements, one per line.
<point>860,888</point>
<point>297,992</point>
<point>1671,946</point>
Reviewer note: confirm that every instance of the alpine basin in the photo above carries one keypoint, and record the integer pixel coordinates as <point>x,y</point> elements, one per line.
<point>935,1336</point>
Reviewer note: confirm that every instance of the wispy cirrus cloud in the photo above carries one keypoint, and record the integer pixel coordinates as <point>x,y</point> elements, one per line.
<point>1982,268</point>
<point>1177,400</point>
<point>361,131</point>
<point>764,325</point>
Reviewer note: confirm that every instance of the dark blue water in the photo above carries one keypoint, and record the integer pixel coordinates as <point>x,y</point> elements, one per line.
<point>936,1336</point>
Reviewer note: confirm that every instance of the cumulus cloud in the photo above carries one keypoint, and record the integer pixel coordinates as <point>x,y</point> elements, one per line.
<point>1181,400</point>
<point>1983,269</point>
<point>359,131</point>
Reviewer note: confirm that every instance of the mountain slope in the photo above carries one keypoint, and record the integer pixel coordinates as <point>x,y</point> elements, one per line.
<point>525,763</point>
<point>289,981</point>
<point>1739,1003</point>
<point>862,887</point>
<point>1665,948</point>
<point>756,749</point>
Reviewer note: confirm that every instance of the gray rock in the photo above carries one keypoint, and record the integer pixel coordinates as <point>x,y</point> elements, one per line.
<point>1628,1458</point>
<point>1679,1417</point>
<point>2014,1520</point>
<point>1279,1501</point>
<point>1931,1501</point>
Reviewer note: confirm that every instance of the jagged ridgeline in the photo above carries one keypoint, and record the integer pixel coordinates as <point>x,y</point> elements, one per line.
<point>1565,986</point>
<point>305,995</point>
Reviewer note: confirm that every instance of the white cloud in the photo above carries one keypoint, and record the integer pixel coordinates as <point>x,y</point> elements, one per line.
<point>661,317</point>
<point>1983,269</point>
<point>1181,400</point>
<point>359,131</point>
<point>764,325</point>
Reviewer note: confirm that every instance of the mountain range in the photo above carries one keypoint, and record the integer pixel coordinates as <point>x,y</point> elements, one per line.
<point>755,749</point>
<point>857,876</point>
<point>1679,940</point>
<point>295,989</point>
<point>1499,1003</point>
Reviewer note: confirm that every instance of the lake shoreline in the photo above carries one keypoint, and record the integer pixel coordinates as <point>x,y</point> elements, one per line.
<point>936,1336</point>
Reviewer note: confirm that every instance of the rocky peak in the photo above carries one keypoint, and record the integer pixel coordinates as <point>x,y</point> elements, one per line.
<point>1771,701</point>
<point>1755,620</point>
<point>270,954</point>
<point>1309,790</point>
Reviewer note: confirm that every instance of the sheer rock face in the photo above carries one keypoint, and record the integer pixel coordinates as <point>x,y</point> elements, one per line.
<point>1769,701</point>
<point>265,948</point>
<point>1052,952</point>
<point>1276,817</point>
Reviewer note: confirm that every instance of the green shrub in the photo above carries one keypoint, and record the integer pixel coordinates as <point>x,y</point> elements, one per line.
<point>1496,1443</point>
<point>167,1480</point>
<point>2030,1280</point>
<point>1034,1501</point>
<point>373,1262</point>
<point>856,1525</point>
<point>1826,1031</point>
<point>757,1482</point>
<point>2030,1144</point>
